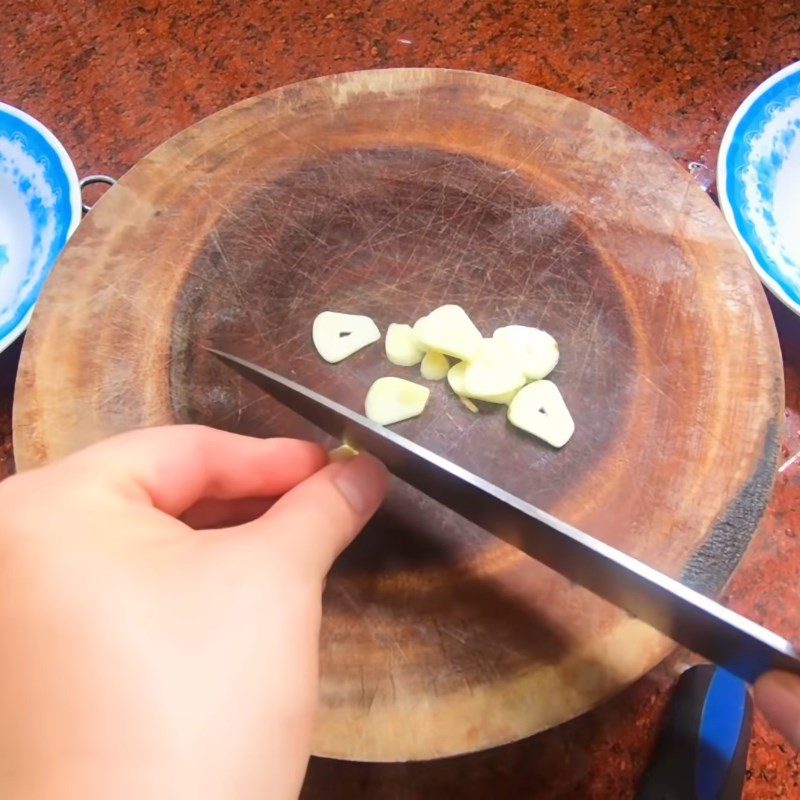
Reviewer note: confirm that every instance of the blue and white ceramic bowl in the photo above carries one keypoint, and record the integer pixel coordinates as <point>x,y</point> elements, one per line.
<point>40,207</point>
<point>758,181</point>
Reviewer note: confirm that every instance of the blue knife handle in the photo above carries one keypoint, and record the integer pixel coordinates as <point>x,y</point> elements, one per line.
<point>701,752</point>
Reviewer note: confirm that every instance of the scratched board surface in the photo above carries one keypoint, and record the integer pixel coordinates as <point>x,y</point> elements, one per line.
<point>388,194</point>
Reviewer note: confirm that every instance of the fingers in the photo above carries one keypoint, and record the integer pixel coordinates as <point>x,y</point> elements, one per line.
<point>777,695</point>
<point>317,519</point>
<point>174,467</point>
<point>209,513</point>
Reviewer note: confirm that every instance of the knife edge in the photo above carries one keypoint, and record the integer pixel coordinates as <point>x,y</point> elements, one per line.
<point>736,643</point>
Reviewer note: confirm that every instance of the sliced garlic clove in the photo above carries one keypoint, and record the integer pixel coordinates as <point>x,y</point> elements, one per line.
<point>401,346</point>
<point>496,350</point>
<point>483,382</point>
<point>540,410</point>
<point>341,453</point>
<point>535,350</point>
<point>391,400</point>
<point>455,377</point>
<point>450,331</point>
<point>337,336</point>
<point>494,376</point>
<point>434,366</point>
<point>501,399</point>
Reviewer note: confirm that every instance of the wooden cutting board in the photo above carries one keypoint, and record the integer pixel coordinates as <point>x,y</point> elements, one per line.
<point>388,193</point>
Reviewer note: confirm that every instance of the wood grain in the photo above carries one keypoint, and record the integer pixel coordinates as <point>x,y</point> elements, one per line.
<point>388,193</point>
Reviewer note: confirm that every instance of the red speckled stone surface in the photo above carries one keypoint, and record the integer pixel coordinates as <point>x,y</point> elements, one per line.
<point>114,79</point>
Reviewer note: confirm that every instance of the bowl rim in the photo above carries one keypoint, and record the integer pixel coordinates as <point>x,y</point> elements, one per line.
<point>728,210</point>
<point>74,200</point>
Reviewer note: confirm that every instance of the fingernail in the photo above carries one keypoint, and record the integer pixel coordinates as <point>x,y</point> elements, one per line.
<point>777,695</point>
<point>362,481</point>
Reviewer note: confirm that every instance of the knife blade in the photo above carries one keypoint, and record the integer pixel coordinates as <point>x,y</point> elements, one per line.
<point>736,643</point>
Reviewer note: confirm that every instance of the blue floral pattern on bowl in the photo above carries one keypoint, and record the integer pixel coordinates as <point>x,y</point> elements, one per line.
<point>758,180</point>
<point>40,207</point>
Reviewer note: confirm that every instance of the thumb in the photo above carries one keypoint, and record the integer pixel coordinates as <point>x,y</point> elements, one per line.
<point>319,517</point>
<point>777,695</point>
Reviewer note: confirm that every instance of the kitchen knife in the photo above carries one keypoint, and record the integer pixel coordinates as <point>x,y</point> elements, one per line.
<point>737,644</point>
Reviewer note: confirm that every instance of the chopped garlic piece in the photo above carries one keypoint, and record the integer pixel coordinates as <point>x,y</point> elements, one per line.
<point>450,331</point>
<point>342,453</point>
<point>494,375</point>
<point>337,336</point>
<point>535,350</point>
<point>392,400</point>
<point>540,409</point>
<point>434,366</point>
<point>455,377</point>
<point>401,346</point>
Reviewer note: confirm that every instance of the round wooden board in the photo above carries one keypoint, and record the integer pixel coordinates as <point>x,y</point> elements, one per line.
<point>388,193</point>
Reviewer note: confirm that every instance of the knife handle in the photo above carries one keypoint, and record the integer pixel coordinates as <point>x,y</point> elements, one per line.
<point>701,752</point>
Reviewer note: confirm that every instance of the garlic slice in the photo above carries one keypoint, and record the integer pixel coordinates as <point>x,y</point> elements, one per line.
<point>401,346</point>
<point>337,336</point>
<point>455,377</point>
<point>450,331</point>
<point>434,366</point>
<point>535,350</point>
<point>341,453</point>
<point>392,400</point>
<point>540,409</point>
<point>494,375</point>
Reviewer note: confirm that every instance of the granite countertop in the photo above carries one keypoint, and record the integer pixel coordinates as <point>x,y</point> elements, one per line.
<point>114,79</point>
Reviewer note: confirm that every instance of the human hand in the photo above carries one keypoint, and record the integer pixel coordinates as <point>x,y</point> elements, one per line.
<point>141,658</point>
<point>777,695</point>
